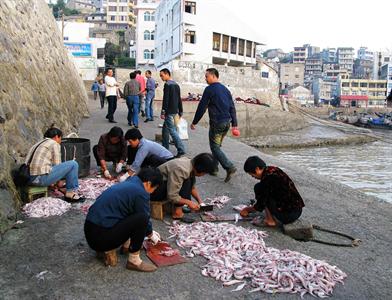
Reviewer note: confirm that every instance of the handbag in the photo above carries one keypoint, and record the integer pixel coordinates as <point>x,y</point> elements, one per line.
<point>22,176</point>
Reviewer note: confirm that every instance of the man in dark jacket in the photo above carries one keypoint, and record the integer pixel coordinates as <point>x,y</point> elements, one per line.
<point>221,110</point>
<point>112,146</point>
<point>275,193</point>
<point>171,106</point>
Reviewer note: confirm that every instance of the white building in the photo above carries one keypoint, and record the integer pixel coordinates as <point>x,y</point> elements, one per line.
<point>301,95</point>
<point>380,58</point>
<point>143,49</point>
<point>364,54</point>
<point>202,31</point>
<point>345,57</point>
<point>386,74</point>
<point>86,53</point>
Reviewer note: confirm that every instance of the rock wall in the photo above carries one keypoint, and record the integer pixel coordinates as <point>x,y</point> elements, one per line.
<point>39,86</point>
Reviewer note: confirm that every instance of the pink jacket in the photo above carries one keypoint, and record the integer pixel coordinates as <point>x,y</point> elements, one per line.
<point>142,82</point>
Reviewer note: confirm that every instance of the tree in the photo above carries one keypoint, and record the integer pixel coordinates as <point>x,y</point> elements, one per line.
<point>112,51</point>
<point>124,61</point>
<point>60,8</point>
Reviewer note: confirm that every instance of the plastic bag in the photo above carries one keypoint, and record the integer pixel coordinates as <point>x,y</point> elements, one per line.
<point>182,129</point>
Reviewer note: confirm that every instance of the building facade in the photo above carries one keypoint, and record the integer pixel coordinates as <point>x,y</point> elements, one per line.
<point>119,14</point>
<point>379,59</point>
<point>365,54</point>
<point>314,66</point>
<point>386,74</point>
<point>332,71</point>
<point>324,91</point>
<point>328,55</point>
<point>183,33</point>
<point>345,56</point>
<point>301,95</point>
<point>363,69</point>
<point>83,6</point>
<point>143,50</point>
<point>362,92</point>
<point>291,75</point>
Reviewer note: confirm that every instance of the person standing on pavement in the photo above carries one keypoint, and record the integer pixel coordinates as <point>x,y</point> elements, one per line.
<point>150,95</point>
<point>142,82</point>
<point>171,106</point>
<point>221,110</point>
<point>131,94</point>
<point>101,92</point>
<point>111,95</point>
<point>95,89</point>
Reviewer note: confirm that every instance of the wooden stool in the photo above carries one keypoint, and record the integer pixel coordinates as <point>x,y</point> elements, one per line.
<point>158,209</point>
<point>30,193</point>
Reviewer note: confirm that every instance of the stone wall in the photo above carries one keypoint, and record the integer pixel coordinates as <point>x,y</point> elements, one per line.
<point>39,86</point>
<point>243,82</point>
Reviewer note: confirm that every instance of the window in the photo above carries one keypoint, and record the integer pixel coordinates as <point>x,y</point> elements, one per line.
<point>372,85</point>
<point>190,7</point>
<point>233,45</point>
<point>147,16</point>
<point>112,18</point>
<point>363,85</point>
<point>147,35</point>
<point>354,84</point>
<point>296,76</point>
<point>100,53</point>
<point>248,48</point>
<point>152,18</point>
<point>264,74</point>
<point>216,41</point>
<point>152,36</point>
<point>241,47</point>
<point>345,84</point>
<point>146,54</point>
<point>112,8</point>
<point>123,8</point>
<point>152,54</point>
<point>225,43</point>
<point>190,37</point>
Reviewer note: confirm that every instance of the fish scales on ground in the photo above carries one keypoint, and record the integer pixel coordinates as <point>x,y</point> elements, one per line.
<point>91,188</point>
<point>237,255</point>
<point>46,207</point>
<point>218,201</point>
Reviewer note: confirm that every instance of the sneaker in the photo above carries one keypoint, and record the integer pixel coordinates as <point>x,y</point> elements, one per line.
<point>143,114</point>
<point>111,258</point>
<point>230,173</point>
<point>146,120</point>
<point>143,267</point>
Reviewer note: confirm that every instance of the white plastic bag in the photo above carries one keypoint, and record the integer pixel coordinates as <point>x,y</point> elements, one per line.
<point>182,129</point>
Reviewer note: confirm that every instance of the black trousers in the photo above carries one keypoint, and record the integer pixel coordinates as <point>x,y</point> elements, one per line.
<point>103,239</point>
<point>112,106</point>
<point>109,158</point>
<point>102,98</point>
<point>160,194</point>
<point>152,160</point>
<point>286,217</point>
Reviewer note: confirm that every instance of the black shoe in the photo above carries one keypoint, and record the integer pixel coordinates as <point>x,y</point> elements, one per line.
<point>146,120</point>
<point>112,121</point>
<point>107,117</point>
<point>130,124</point>
<point>179,155</point>
<point>230,173</point>
<point>143,114</point>
<point>136,126</point>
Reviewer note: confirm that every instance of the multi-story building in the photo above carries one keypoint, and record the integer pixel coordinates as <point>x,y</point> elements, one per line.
<point>345,56</point>
<point>301,95</point>
<point>300,54</point>
<point>329,55</point>
<point>364,54</point>
<point>363,69</point>
<point>324,91</point>
<point>380,58</point>
<point>100,5</point>
<point>386,74</point>
<point>119,14</point>
<point>98,19</point>
<point>143,50</point>
<point>202,31</point>
<point>332,71</point>
<point>84,6</point>
<point>291,75</point>
<point>362,92</point>
<point>314,66</point>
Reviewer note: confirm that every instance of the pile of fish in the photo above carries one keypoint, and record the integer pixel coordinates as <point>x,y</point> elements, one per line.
<point>46,207</point>
<point>218,201</point>
<point>238,255</point>
<point>91,188</point>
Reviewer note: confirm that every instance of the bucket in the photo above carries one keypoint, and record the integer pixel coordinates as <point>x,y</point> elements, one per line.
<point>79,149</point>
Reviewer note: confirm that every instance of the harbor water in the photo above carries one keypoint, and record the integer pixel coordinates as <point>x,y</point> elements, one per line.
<point>366,167</point>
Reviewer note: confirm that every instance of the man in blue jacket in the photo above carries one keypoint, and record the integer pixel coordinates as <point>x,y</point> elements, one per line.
<point>221,110</point>
<point>120,213</point>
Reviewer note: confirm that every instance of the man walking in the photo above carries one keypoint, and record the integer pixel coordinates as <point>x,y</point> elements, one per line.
<point>142,82</point>
<point>111,95</point>
<point>150,94</point>
<point>221,110</point>
<point>131,94</point>
<point>171,106</point>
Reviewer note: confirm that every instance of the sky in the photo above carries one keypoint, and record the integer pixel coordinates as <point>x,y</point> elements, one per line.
<point>325,23</point>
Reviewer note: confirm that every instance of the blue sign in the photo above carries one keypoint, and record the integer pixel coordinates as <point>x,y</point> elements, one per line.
<point>79,50</point>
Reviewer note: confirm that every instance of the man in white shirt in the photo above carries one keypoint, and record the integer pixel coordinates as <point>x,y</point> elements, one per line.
<point>111,95</point>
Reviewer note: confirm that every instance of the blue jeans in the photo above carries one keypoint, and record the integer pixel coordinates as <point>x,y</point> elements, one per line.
<point>170,129</point>
<point>133,110</point>
<point>149,111</point>
<point>68,170</point>
<point>217,133</point>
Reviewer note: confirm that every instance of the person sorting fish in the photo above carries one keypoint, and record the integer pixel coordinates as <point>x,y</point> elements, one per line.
<point>120,213</point>
<point>179,178</point>
<point>143,153</point>
<point>111,147</point>
<point>276,193</point>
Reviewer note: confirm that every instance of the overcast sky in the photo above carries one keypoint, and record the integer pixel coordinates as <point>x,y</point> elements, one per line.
<point>331,23</point>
